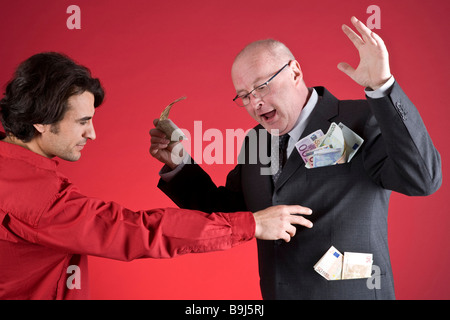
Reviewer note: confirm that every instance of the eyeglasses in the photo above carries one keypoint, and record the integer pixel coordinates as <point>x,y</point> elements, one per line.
<point>258,92</point>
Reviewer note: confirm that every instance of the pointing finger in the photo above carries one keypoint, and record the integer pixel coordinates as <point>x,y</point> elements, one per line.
<point>295,209</point>
<point>301,221</point>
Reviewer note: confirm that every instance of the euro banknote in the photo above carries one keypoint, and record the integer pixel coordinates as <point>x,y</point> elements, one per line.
<point>307,144</point>
<point>352,141</point>
<point>357,265</point>
<point>338,145</point>
<point>334,265</point>
<point>330,265</point>
<point>168,127</point>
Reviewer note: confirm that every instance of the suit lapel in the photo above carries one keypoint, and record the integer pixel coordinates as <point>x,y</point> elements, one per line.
<point>327,108</point>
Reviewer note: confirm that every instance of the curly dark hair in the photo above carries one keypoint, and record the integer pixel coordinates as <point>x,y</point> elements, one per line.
<point>39,90</point>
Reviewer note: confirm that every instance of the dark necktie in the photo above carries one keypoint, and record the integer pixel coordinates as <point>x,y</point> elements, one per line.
<point>282,155</point>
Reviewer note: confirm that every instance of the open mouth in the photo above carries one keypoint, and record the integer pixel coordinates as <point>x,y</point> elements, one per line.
<point>268,116</point>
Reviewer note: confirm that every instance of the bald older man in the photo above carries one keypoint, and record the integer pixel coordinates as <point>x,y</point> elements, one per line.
<point>349,200</point>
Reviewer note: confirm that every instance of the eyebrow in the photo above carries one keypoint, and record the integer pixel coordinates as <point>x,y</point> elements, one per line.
<point>256,83</point>
<point>84,119</point>
<point>261,83</point>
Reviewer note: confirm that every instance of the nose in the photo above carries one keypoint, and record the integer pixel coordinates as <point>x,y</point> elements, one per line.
<point>90,132</point>
<point>256,101</point>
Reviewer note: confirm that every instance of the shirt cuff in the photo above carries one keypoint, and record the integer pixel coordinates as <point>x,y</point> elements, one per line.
<point>168,174</point>
<point>382,91</point>
<point>243,226</point>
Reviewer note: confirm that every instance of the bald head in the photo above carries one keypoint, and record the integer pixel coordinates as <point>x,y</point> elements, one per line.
<point>273,51</point>
<point>262,55</point>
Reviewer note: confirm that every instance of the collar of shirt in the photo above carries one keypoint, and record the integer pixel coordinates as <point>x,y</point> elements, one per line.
<point>302,121</point>
<point>13,151</point>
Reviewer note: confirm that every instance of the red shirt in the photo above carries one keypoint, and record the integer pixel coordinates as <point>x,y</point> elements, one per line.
<point>47,229</point>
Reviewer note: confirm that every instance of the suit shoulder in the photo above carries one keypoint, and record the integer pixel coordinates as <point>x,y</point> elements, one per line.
<point>354,110</point>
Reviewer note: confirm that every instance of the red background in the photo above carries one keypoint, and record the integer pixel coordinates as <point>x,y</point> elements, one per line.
<point>148,53</point>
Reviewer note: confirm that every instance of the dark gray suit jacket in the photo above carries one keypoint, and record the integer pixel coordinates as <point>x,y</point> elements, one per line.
<point>349,201</point>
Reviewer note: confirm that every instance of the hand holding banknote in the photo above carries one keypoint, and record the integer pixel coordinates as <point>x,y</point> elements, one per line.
<point>166,137</point>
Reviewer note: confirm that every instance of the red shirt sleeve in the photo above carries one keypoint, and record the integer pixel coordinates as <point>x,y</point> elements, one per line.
<point>82,225</point>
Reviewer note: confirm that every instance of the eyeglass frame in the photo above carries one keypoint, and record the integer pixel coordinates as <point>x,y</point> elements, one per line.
<point>262,84</point>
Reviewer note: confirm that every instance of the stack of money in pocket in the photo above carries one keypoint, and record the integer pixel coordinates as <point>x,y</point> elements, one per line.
<point>351,265</point>
<point>338,145</point>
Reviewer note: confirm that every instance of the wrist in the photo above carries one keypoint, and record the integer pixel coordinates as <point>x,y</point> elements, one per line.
<point>380,83</point>
<point>382,91</point>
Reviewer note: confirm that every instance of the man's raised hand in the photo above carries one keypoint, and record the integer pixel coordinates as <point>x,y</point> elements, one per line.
<point>373,69</point>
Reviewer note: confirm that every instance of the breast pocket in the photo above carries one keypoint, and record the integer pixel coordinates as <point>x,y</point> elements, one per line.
<point>329,171</point>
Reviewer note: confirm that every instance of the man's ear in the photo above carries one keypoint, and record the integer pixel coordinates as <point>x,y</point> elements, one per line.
<point>41,128</point>
<point>297,70</point>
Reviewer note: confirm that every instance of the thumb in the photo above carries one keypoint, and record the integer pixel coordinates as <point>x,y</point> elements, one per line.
<point>346,68</point>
